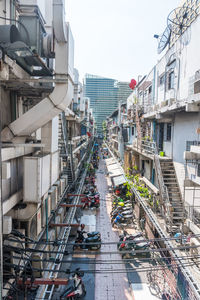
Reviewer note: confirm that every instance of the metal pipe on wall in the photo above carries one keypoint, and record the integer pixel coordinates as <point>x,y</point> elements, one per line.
<point>1,217</point>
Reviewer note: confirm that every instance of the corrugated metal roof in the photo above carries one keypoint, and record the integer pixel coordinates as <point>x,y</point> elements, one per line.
<point>118,180</point>
<point>112,167</point>
<point>110,161</point>
<point>115,172</point>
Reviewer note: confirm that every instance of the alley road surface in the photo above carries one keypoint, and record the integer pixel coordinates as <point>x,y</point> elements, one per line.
<point>104,285</point>
<point>108,286</point>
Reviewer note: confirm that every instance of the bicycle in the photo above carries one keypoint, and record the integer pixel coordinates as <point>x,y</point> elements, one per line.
<point>153,285</point>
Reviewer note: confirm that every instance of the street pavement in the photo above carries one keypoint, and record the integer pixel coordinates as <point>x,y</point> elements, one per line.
<point>108,283</point>
<point>113,285</point>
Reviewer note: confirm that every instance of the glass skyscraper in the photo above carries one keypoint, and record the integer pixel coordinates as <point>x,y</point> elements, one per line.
<point>104,94</point>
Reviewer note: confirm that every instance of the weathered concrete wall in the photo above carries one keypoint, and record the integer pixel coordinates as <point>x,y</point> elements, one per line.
<point>5,108</point>
<point>185,125</point>
<point>15,182</point>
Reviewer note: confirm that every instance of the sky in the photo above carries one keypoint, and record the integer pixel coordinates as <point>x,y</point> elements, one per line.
<point>114,38</point>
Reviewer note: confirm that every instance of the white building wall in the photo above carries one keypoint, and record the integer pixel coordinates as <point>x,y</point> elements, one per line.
<point>185,126</point>
<point>187,55</point>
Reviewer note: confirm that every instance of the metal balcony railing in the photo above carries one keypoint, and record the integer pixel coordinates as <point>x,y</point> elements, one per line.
<point>149,147</point>
<point>191,143</point>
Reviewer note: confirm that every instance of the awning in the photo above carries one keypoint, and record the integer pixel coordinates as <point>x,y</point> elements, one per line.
<point>112,167</point>
<point>110,161</point>
<point>115,172</point>
<point>118,180</point>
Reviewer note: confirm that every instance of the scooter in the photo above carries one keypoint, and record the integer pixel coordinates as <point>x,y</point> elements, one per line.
<point>87,243</point>
<point>77,290</point>
<point>88,198</point>
<point>138,244</point>
<point>95,203</point>
<point>123,213</point>
<point>129,236</point>
<point>118,219</point>
<point>90,234</point>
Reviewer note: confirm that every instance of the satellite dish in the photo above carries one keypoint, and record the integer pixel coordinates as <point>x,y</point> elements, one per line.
<point>180,19</point>
<point>164,40</point>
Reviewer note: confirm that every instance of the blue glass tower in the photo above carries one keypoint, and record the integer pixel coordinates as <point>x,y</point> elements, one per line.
<point>104,94</point>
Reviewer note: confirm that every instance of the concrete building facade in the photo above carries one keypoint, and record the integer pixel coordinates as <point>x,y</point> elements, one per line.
<point>163,127</point>
<point>43,114</point>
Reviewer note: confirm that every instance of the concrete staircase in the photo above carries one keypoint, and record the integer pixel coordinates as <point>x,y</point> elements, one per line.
<point>170,181</point>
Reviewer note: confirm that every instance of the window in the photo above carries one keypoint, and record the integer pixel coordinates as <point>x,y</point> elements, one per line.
<point>169,131</point>
<point>133,130</point>
<point>171,80</point>
<point>161,79</point>
<point>150,89</point>
<point>12,11</point>
<point>198,170</point>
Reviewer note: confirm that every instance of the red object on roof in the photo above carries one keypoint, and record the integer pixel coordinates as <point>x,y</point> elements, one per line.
<point>132,84</point>
<point>89,134</point>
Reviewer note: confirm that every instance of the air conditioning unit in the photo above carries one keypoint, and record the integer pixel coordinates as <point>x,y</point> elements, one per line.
<point>50,247</point>
<point>65,177</point>
<point>61,214</point>
<point>62,185</point>
<point>7,224</point>
<point>6,171</point>
<point>38,264</point>
<point>53,197</point>
<point>34,225</point>
<point>58,187</point>
<point>57,228</point>
<point>32,228</point>
<point>36,177</point>
<point>46,206</point>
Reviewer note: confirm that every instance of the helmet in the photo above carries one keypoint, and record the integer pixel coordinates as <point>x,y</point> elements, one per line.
<point>82,226</point>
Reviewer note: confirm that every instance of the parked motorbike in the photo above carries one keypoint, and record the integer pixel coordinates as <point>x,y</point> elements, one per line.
<point>129,236</point>
<point>77,289</point>
<point>138,244</point>
<point>95,203</point>
<point>90,234</point>
<point>88,242</point>
<point>123,213</point>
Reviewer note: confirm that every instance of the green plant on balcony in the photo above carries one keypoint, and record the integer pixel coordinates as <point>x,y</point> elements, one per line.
<point>129,186</point>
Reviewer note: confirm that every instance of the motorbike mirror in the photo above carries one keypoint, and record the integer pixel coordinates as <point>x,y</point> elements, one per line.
<point>67,271</point>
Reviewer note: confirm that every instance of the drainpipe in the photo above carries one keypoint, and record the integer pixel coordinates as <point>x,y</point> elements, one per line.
<point>1,221</point>
<point>62,94</point>
<point>46,215</point>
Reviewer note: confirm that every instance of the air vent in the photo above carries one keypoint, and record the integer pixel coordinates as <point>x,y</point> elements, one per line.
<point>9,34</point>
<point>32,25</point>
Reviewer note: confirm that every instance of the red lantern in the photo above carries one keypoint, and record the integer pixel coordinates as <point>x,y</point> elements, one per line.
<point>132,84</point>
<point>89,134</point>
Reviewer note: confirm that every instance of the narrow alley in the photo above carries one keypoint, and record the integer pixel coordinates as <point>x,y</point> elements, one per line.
<point>99,150</point>
<point>109,284</point>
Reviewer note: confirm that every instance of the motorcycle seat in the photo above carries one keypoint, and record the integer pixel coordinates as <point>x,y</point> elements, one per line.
<point>67,291</point>
<point>93,233</point>
<point>92,239</point>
